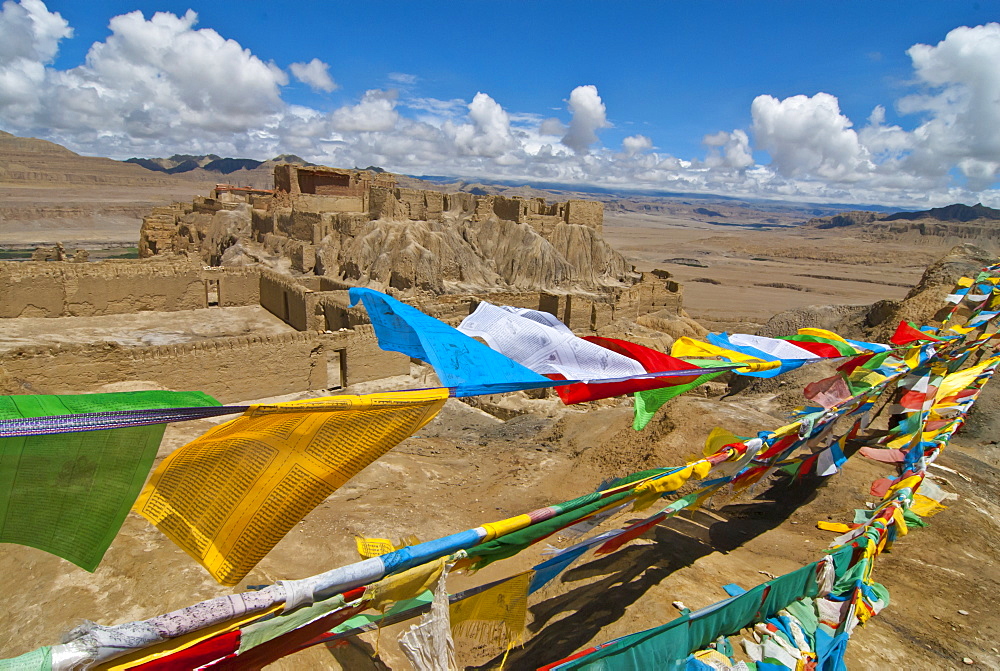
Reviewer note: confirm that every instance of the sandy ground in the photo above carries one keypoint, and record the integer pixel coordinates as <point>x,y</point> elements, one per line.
<point>468,467</point>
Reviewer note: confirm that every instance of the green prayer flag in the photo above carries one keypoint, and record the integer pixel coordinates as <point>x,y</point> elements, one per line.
<point>68,493</point>
<point>36,660</point>
<point>259,633</point>
<point>510,544</point>
<point>913,520</point>
<point>844,349</point>
<point>648,402</point>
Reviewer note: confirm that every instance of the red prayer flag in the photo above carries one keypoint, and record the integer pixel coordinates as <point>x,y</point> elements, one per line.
<point>818,348</point>
<point>199,654</point>
<point>907,333</point>
<point>651,360</point>
<point>630,533</point>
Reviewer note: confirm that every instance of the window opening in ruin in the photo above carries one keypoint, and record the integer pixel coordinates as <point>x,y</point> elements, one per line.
<point>284,304</point>
<point>336,369</point>
<point>323,183</point>
<point>212,293</point>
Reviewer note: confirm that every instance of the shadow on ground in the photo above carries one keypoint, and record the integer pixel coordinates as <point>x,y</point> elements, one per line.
<point>563,624</point>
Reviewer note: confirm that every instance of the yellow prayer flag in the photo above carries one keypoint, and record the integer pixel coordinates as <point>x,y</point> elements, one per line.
<point>495,614</point>
<point>925,506</point>
<point>901,526</point>
<point>229,496</point>
<point>406,585</point>
<point>503,527</point>
<point>757,366</point>
<point>690,347</point>
<point>373,547</point>
<point>910,482</point>
<point>649,491</point>
<point>956,382</point>
<point>718,439</point>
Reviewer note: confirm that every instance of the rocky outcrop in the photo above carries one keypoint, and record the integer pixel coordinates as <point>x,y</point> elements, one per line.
<point>843,219</point>
<point>456,256</point>
<point>952,224</point>
<point>925,302</point>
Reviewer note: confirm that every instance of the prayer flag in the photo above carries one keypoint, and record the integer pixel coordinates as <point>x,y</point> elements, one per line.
<point>68,494</point>
<point>461,362</point>
<point>229,496</point>
<point>497,614</point>
<point>651,360</point>
<point>906,333</point>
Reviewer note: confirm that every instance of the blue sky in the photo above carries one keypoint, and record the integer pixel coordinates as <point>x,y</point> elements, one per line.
<point>563,85</point>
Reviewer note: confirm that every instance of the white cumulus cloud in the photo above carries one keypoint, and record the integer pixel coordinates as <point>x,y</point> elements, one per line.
<point>30,40</point>
<point>588,116</point>
<point>153,83</point>
<point>159,85</point>
<point>808,137</point>
<point>634,144</point>
<point>375,112</point>
<point>316,74</point>
<point>489,133</point>
<point>728,150</point>
<point>961,77</point>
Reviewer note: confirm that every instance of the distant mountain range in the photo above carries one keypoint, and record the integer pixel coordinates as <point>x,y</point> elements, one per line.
<point>956,212</point>
<point>180,163</point>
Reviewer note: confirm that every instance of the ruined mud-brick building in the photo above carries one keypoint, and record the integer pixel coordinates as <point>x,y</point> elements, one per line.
<point>333,229</point>
<point>293,253</point>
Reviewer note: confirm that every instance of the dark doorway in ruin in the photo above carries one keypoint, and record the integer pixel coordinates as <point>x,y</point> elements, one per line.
<point>212,293</point>
<point>336,369</point>
<point>549,303</point>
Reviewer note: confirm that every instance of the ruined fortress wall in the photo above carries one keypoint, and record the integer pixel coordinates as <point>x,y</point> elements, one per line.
<point>650,295</point>
<point>289,301</point>
<point>511,209</point>
<point>412,204</point>
<point>336,314</point>
<point>30,289</point>
<point>383,204</point>
<point>243,367</point>
<point>308,202</point>
<point>365,360</point>
<point>296,224</point>
<point>237,286</point>
<point>589,213</point>
<point>460,202</point>
<point>261,223</point>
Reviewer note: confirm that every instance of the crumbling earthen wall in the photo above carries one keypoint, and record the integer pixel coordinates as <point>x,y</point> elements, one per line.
<point>587,213</point>
<point>30,289</point>
<point>653,294</point>
<point>289,301</point>
<point>365,360</point>
<point>230,369</point>
<point>236,286</point>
